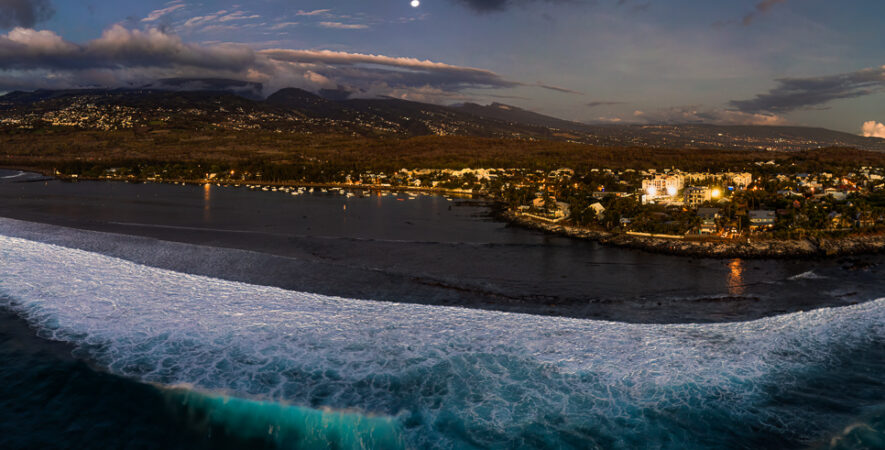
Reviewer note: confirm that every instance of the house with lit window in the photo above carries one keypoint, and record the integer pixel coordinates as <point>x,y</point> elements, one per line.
<point>762,219</point>
<point>708,218</point>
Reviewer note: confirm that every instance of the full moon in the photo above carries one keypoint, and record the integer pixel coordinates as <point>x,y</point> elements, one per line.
<point>415,3</point>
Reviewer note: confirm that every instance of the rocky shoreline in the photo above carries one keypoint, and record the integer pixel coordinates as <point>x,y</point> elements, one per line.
<point>770,248</point>
<point>856,245</point>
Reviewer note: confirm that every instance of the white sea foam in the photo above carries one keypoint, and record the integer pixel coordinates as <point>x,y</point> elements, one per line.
<point>808,275</point>
<point>499,368</point>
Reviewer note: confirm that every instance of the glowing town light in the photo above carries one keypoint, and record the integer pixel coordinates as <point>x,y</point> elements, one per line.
<point>671,191</point>
<point>652,191</point>
<point>716,193</point>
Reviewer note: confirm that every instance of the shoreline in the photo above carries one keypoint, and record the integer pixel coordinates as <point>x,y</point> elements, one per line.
<point>244,183</point>
<point>734,303</point>
<point>757,249</point>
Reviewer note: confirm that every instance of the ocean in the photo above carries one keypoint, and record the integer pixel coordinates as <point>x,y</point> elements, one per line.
<point>380,334</point>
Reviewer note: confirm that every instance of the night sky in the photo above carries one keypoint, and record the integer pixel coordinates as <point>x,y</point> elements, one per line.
<point>803,62</point>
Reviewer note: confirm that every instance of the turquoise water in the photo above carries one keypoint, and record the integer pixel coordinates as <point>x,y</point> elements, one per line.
<point>178,360</point>
<point>47,401</point>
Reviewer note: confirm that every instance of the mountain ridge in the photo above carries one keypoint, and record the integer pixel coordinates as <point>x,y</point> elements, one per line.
<point>297,110</point>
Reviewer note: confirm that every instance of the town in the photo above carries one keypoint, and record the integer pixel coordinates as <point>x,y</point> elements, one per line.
<point>671,203</point>
<point>764,200</point>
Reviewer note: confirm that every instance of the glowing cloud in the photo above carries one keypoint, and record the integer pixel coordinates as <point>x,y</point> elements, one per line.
<point>873,129</point>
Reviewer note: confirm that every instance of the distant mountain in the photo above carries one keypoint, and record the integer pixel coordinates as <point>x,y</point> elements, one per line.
<point>307,103</point>
<point>147,102</point>
<point>296,110</point>
<point>248,89</point>
<point>513,114</point>
<point>763,137</point>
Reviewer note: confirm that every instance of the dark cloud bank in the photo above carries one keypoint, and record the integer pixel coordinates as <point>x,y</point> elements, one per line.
<point>486,6</point>
<point>802,93</point>
<point>131,57</point>
<point>24,13</point>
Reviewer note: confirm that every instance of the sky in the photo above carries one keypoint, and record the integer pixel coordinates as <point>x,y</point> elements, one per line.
<point>791,62</point>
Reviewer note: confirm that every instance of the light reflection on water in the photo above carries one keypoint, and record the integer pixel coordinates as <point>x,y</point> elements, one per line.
<point>736,277</point>
<point>207,202</point>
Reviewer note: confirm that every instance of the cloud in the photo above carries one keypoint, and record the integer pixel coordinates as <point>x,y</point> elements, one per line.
<point>282,25</point>
<point>123,57</point>
<point>343,26</point>
<point>802,93</point>
<point>24,13</point>
<point>558,89</point>
<point>335,94</point>
<point>316,12</point>
<point>158,13</point>
<point>238,15</point>
<point>606,119</point>
<point>873,129</point>
<point>118,47</point>
<point>597,103</point>
<point>636,8</point>
<point>244,88</point>
<point>761,8</point>
<point>486,6</point>
<point>222,20</point>
<point>698,114</point>
<point>199,20</point>
<point>376,70</point>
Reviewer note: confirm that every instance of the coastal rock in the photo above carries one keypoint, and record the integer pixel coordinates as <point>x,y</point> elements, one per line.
<point>769,248</point>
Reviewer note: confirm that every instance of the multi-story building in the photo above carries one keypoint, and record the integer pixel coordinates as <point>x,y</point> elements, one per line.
<point>697,195</point>
<point>663,185</point>
<point>742,180</point>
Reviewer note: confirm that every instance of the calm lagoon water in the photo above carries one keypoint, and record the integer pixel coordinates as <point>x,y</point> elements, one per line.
<point>148,315</point>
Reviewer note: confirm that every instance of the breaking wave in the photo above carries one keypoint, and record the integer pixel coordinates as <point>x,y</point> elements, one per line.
<point>280,424</point>
<point>438,377</point>
<point>809,275</point>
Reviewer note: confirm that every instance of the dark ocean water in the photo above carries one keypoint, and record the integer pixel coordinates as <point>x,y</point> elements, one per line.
<point>251,326</point>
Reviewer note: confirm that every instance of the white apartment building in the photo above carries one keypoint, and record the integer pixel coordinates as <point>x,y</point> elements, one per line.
<point>663,185</point>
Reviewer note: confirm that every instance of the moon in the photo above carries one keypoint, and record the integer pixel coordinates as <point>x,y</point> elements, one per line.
<point>415,3</point>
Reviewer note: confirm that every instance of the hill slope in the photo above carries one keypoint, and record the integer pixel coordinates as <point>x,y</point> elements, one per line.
<point>297,110</point>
